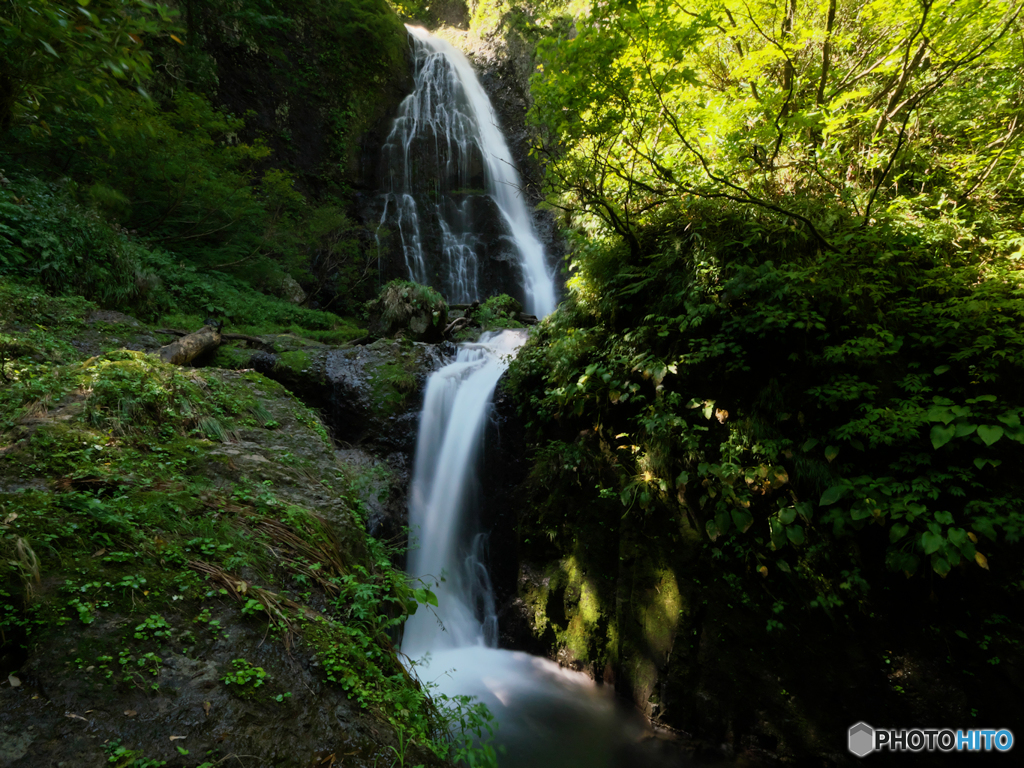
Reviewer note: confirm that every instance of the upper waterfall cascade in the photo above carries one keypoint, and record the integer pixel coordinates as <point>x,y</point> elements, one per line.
<point>452,196</point>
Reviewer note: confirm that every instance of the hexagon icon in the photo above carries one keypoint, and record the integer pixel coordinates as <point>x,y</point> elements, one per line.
<point>862,739</point>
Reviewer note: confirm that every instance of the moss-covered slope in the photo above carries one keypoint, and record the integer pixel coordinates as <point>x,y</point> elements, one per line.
<point>182,556</point>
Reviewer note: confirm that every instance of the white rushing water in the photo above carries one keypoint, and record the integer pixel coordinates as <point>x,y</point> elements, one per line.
<point>547,716</point>
<point>448,123</point>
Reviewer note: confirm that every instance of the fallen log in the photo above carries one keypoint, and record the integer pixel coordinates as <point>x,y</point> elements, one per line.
<point>190,346</point>
<point>457,325</point>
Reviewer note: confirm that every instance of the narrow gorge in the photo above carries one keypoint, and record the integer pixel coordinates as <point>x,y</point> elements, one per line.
<point>576,385</point>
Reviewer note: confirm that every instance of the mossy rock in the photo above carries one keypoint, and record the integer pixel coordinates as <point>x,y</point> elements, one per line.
<point>415,311</point>
<point>230,357</point>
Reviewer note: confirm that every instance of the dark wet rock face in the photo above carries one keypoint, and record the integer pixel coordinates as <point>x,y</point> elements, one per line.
<point>375,392</point>
<point>382,483</point>
<point>64,712</point>
<point>369,395</point>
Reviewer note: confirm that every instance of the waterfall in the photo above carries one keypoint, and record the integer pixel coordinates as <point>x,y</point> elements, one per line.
<point>444,145</point>
<point>443,495</point>
<point>452,197</point>
<point>547,716</point>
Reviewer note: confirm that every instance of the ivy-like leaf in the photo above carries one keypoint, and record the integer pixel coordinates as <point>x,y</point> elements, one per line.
<point>795,534</point>
<point>931,542</point>
<point>990,434</point>
<point>898,531</point>
<point>742,519</point>
<point>942,435</point>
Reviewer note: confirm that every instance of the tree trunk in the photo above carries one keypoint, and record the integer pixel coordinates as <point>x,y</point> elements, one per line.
<point>187,348</point>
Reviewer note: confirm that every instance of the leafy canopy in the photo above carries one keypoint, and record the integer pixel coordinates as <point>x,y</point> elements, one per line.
<point>781,106</point>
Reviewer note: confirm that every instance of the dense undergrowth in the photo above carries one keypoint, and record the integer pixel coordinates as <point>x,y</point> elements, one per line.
<point>792,325</point>
<point>788,401</point>
<point>70,249</point>
<point>177,146</point>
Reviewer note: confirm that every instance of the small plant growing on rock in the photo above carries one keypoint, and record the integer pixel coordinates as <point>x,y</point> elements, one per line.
<point>247,677</point>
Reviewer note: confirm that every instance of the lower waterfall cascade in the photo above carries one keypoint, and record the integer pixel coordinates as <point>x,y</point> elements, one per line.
<point>546,715</point>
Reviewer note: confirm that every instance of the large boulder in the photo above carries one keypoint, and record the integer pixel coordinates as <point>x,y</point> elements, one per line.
<point>417,312</point>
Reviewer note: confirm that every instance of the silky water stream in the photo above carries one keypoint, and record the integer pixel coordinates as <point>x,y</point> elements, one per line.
<point>547,716</point>
<point>446,135</point>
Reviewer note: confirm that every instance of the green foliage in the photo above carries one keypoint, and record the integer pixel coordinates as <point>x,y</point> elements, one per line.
<point>120,756</point>
<point>795,273</point>
<point>46,236</point>
<point>245,676</point>
<point>816,114</point>
<point>43,234</point>
<point>397,297</point>
<point>57,55</point>
<point>176,171</point>
<point>499,311</point>
<point>401,304</point>
<point>787,400</point>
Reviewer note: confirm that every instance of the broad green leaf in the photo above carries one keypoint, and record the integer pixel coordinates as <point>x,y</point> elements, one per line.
<point>1012,420</point>
<point>957,536</point>
<point>742,519</point>
<point>989,434</point>
<point>963,429</point>
<point>830,453</point>
<point>861,511</point>
<point>931,542</point>
<point>787,515</point>
<point>940,565</point>
<point>942,435</point>
<point>809,444</point>
<point>940,413</point>
<point>899,560</point>
<point>795,534</point>
<point>806,510</point>
<point>939,370</point>
<point>984,526</point>
<point>712,528</point>
<point>832,495</point>
<point>952,555</point>
<point>944,517</point>
<point>898,531</point>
